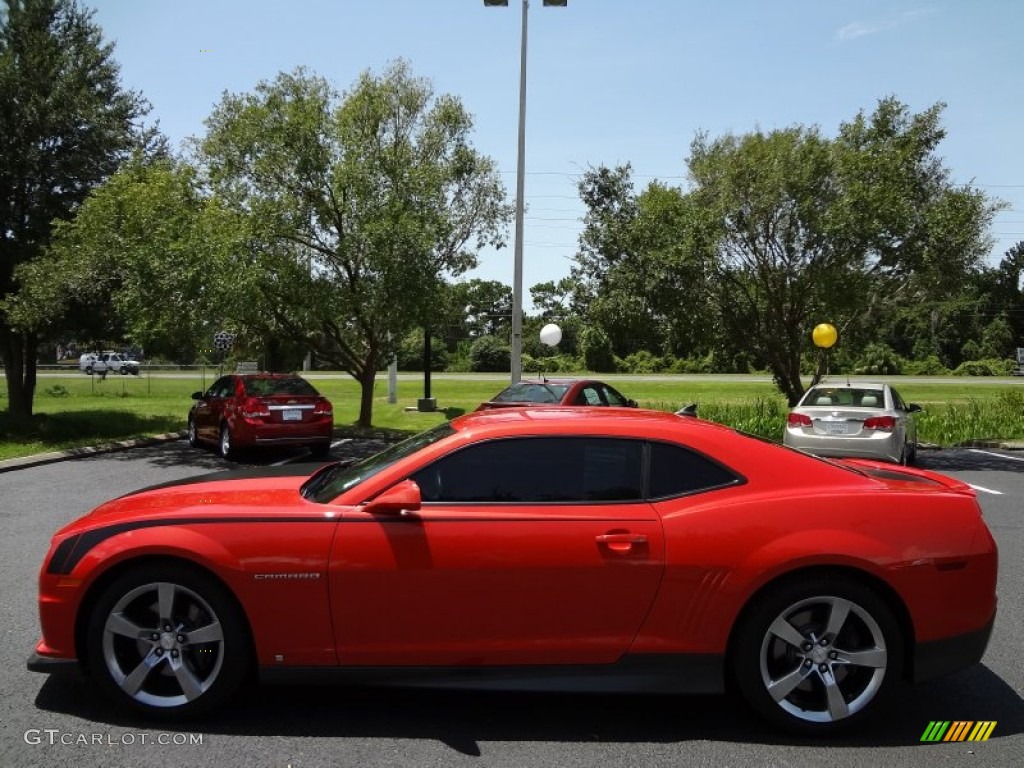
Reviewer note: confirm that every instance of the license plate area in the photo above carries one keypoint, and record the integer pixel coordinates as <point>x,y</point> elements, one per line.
<point>835,427</point>
<point>291,415</point>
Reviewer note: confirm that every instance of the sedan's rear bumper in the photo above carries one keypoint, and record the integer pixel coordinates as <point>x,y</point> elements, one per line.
<point>952,654</point>
<point>880,445</point>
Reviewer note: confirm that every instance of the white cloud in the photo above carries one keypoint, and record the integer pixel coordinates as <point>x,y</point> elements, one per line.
<point>857,29</point>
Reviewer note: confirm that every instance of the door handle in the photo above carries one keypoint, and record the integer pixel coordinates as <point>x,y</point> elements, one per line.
<point>621,542</point>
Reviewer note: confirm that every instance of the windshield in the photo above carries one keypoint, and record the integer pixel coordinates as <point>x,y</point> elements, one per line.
<point>266,386</point>
<point>327,485</point>
<point>531,392</point>
<point>845,396</point>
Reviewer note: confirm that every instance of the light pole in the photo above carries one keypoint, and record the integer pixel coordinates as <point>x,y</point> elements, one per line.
<point>517,271</point>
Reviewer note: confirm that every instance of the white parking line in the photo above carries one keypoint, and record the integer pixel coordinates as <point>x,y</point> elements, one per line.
<point>1000,455</point>
<point>335,444</point>
<point>985,490</point>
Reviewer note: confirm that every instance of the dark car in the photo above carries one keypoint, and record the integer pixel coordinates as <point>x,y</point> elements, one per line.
<point>261,409</point>
<point>558,392</point>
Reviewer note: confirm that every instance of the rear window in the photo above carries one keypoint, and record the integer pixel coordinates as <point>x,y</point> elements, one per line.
<point>292,385</point>
<point>528,392</point>
<point>845,396</point>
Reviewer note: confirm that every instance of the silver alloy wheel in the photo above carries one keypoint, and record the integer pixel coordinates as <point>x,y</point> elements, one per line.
<point>163,645</point>
<point>823,659</point>
<point>225,441</point>
<point>193,437</point>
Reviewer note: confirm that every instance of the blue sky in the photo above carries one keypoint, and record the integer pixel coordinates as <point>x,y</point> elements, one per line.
<point>610,81</point>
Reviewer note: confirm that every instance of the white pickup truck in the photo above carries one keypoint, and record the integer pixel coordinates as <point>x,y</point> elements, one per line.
<point>108,362</point>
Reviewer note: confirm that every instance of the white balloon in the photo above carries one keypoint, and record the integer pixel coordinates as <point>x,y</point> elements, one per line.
<point>550,334</point>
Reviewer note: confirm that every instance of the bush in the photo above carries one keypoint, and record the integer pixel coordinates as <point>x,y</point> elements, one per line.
<point>489,354</point>
<point>596,348</point>
<point>989,367</point>
<point>930,366</point>
<point>878,360</point>
<point>643,362</point>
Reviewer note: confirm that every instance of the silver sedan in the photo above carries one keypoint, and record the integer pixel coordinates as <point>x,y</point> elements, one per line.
<point>862,420</point>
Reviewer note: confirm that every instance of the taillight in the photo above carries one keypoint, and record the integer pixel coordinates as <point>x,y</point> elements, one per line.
<point>881,423</point>
<point>323,408</point>
<point>254,408</point>
<point>798,420</point>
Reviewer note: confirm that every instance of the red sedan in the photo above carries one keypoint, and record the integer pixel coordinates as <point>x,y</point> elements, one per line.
<point>547,548</point>
<point>261,409</point>
<point>558,392</point>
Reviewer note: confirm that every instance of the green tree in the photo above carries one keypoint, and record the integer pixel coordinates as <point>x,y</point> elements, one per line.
<point>813,229</point>
<point>643,265</point>
<point>65,126</point>
<point>148,257</point>
<point>356,208</point>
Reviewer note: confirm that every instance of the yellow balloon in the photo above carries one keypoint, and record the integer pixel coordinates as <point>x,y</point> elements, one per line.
<point>824,335</point>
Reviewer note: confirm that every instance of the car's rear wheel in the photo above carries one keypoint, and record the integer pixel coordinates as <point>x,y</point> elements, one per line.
<point>817,655</point>
<point>226,445</point>
<point>167,641</point>
<point>320,450</point>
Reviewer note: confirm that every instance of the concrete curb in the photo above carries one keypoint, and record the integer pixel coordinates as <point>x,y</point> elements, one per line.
<point>1002,445</point>
<point>77,453</point>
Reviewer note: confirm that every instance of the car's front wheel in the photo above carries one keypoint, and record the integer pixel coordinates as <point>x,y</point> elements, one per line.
<point>167,641</point>
<point>124,370</point>
<point>817,655</point>
<point>193,433</point>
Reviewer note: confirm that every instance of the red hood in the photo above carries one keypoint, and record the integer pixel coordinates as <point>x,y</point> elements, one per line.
<point>264,490</point>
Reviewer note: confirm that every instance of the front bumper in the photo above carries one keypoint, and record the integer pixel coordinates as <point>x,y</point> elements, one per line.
<point>50,665</point>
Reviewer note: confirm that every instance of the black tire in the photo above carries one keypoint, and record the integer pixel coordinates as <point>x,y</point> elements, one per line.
<point>911,454</point>
<point>88,370</point>
<point>795,654</point>
<point>193,434</point>
<point>124,370</point>
<point>225,446</point>
<point>173,666</point>
<point>320,450</point>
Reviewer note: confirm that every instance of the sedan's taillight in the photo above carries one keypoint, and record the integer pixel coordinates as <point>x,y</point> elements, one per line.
<point>323,408</point>
<point>798,420</point>
<point>881,423</point>
<point>254,408</point>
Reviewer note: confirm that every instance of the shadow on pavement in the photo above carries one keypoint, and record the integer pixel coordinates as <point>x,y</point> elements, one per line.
<point>463,720</point>
<point>970,460</point>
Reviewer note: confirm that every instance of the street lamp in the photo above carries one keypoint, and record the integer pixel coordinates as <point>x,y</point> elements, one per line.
<point>517,272</point>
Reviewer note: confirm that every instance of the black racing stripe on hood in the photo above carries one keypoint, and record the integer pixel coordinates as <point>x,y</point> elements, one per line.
<point>252,473</point>
<point>71,551</point>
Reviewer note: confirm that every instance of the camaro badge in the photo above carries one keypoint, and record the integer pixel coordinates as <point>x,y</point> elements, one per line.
<point>286,576</point>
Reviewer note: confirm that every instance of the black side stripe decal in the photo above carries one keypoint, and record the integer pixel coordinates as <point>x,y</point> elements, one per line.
<point>71,551</point>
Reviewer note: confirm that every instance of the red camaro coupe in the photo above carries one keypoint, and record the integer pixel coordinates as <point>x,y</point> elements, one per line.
<point>573,549</point>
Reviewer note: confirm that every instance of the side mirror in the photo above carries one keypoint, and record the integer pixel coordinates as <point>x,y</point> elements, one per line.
<point>632,404</point>
<point>398,499</point>
<point>914,408</point>
<point>197,395</point>
<point>690,410</point>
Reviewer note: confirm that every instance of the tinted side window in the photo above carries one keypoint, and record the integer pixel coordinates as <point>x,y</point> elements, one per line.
<point>897,400</point>
<point>613,396</point>
<point>222,387</point>
<point>536,470</point>
<point>676,470</point>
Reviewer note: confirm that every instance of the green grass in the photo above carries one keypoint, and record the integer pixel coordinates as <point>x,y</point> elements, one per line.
<point>76,410</point>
